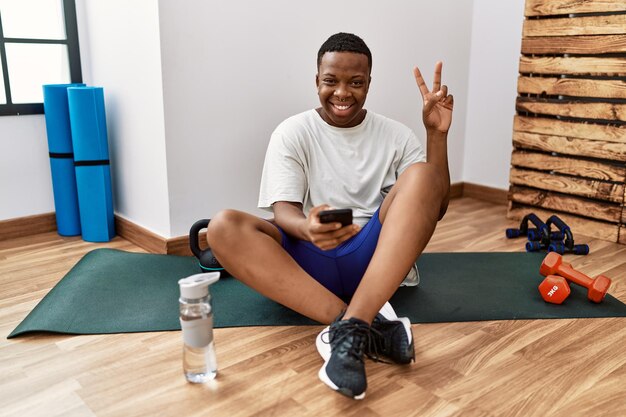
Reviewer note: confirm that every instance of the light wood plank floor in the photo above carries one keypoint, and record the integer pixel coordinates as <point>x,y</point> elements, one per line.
<point>500,368</point>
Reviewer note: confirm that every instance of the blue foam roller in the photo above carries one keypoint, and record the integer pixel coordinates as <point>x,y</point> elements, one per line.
<point>91,161</point>
<point>60,149</point>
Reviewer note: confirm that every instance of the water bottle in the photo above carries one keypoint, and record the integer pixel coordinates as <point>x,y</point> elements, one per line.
<point>196,322</point>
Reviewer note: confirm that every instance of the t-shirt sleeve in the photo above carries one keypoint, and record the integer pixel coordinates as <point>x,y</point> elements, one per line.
<point>413,152</point>
<point>283,177</point>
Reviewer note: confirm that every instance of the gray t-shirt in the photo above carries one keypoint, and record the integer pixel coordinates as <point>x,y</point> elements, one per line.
<point>311,162</point>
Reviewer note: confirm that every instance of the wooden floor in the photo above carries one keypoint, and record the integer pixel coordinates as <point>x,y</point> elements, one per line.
<point>500,368</point>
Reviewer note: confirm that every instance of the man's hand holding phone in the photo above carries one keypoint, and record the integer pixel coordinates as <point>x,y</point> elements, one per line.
<point>330,227</point>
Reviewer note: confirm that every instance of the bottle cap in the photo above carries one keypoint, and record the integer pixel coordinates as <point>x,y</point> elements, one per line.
<point>197,286</point>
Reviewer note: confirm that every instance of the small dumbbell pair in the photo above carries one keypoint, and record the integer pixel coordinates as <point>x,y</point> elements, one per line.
<point>555,288</point>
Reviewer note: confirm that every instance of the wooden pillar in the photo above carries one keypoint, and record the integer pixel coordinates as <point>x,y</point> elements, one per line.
<point>569,134</point>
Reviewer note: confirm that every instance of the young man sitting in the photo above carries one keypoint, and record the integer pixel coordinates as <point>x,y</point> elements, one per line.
<point>341,155</point>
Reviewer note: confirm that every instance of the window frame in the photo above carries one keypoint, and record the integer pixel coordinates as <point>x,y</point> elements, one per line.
<point>73,52</point>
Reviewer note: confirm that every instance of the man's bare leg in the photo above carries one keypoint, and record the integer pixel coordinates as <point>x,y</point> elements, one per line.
<point>408,215</point>
<point>250,249</point>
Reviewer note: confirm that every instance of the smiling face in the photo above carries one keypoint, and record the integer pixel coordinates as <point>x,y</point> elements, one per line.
<point>342,83</point>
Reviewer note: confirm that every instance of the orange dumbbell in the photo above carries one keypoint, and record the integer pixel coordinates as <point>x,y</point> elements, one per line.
<point>596,288</point>
<point>554,289</point>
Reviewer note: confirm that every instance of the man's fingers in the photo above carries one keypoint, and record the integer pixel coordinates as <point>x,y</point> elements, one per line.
<point>315,210</point>
<point>333,239</point>
<point>437,79</point>
<point>420,81</point>
<point>319,208</point>
<point>348,231</point>
<point>323,228</point>
<point>428,105</point>
<point>444,90</point>
<point>449,102</point>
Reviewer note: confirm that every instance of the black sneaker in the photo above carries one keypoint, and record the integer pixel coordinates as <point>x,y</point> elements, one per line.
<point>387,338</point>
<point>392,339</point>
<point>344,371</point>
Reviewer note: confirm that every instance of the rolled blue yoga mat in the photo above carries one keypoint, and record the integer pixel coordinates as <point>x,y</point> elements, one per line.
<point>61,158</point>
<point>91,161</point>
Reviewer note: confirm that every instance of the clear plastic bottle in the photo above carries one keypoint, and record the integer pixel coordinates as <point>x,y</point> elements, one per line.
<point>196,322</point>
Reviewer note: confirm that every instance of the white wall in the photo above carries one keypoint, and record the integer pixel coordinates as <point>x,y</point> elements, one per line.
<point>233,70</point>
<point>120,48</point>
<point>495,52</point>
<point>25,181</point>
<point>193,90</point>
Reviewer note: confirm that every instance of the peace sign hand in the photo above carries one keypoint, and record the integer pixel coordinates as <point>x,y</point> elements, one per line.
<point>438,105</point>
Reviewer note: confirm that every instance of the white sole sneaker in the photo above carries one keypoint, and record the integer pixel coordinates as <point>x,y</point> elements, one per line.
<point>323,347</point>
<point>326,380</point>
<point>389,313</point>
<point>412,279</point>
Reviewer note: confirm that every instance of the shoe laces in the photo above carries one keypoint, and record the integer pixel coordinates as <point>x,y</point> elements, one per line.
<point>369,348</point>
<point>373,346</point>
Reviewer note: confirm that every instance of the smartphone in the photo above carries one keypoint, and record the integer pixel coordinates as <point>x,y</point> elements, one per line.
<point>343,216</point>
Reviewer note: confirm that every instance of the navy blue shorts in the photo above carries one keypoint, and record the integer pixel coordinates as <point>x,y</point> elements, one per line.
<point>340,269</point>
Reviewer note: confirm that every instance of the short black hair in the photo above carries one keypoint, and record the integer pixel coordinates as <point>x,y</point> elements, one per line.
<point>345,42</point>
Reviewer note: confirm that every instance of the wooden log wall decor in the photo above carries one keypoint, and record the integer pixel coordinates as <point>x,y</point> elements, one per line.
<point>569,134</point>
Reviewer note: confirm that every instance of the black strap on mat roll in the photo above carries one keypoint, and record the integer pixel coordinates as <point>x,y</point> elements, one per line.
<point>91,163</point>
<point>60,155</point>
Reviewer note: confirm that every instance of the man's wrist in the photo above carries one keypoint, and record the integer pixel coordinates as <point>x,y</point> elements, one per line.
<point>303,230</point>
<point>437,134</point>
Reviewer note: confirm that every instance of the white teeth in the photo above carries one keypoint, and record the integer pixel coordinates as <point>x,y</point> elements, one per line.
<point>342,107</point>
